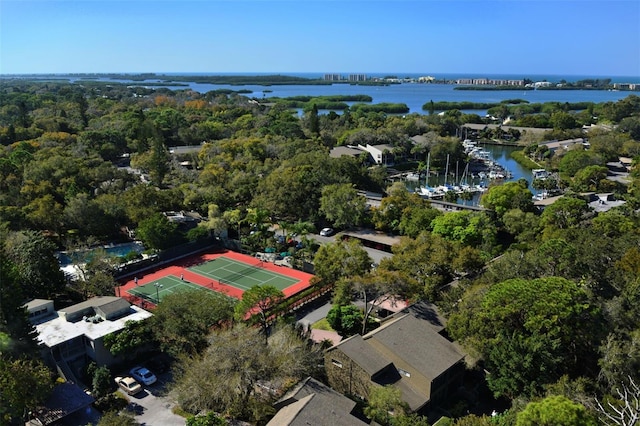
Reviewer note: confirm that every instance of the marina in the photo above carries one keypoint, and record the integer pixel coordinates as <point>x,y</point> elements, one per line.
<point>478,173</point>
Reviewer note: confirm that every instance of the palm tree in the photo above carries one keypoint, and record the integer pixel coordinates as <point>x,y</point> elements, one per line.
<point>284,225</point>
<point>257,218</point>
<point>302,229</point>
<point>233,217</point>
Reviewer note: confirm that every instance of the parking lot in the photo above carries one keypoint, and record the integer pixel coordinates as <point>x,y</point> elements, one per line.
<point>152,406</point>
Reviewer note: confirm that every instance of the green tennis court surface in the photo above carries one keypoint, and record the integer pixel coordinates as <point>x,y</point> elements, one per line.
<point>241,275</point>
<point>154,292</point>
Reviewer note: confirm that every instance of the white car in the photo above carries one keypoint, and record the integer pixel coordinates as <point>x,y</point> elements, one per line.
<point>129,385</point>
<point>326,232</point>
<point>143,375</point>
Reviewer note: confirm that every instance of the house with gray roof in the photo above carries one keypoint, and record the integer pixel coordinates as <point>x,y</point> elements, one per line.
<point>408,351</point>
<point>350,151</point>
<point>312,403</point>
<point>564,145</point>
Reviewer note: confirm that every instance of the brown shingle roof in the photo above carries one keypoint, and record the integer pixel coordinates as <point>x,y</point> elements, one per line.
<point>363,354</point>
<point>411,341</point>
<point>311,402</point>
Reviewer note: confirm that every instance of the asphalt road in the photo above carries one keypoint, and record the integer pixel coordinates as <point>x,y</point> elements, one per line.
<point>311,315</point>
<point>375,255</point>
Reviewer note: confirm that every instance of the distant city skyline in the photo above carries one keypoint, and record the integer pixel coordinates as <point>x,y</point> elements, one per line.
<point>430,37</point>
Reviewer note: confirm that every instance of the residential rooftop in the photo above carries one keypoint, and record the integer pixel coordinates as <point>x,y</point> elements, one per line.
<point>311,402</point>
<point>56,328</point>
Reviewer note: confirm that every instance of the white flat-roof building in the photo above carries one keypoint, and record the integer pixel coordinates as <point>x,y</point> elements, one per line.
<point>380,154</point>
<point>76,333</point>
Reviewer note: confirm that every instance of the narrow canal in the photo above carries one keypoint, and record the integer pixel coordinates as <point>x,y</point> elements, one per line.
<point>501,154</point>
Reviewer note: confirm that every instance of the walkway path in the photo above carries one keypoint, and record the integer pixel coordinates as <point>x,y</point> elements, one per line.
<point>307,317</point>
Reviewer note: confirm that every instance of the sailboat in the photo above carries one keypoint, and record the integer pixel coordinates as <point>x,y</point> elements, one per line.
<point>463,183</point>
<point>445,187</point>
<point>426,190</point>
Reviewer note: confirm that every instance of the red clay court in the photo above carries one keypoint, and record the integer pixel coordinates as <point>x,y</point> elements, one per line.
<point>225,272</point>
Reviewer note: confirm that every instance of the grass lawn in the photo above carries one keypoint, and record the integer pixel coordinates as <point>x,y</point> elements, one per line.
<point>323,324</point>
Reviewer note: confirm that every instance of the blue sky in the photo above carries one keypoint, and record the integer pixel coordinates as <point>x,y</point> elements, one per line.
<point>574,37</point>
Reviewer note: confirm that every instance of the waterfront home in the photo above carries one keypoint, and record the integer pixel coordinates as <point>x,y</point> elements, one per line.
<point>564,144</point>
<point>380,154</point>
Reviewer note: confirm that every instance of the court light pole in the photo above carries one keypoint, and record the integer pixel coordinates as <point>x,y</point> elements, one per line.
<point>158,286</point>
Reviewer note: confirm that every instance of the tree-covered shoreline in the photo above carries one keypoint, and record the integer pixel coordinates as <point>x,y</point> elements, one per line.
<point>174,80</point>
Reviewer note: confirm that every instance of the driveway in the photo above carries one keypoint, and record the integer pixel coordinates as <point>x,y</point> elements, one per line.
<point>153,407</point>
<point>314,314</point>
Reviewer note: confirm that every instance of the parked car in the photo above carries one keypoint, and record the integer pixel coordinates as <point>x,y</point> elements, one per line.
<point>326,232</point>
<point>285,261</point>
<point>143,375</point>
<point>129,385</point>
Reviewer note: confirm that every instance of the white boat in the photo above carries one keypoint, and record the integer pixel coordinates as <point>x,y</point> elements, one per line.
<point>480,154</point>
<point>443,189</point>
<point>539,174</point>
<point>413,177</point>
<point>425,190</point>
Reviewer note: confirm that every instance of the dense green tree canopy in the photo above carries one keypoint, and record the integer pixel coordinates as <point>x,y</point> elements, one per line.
<point>577,159</point>
<point>23,385</point>
<point>341,259</point>
<point>157,232</point>
<point>33,256</point>
<point>183,320</point>
<point>342,205</point>
<point>510,195</point>
<point>555,411</point>
<point>345,319</point>
<point>399,208</point>
<point>385,402</point>
<point>134,337</point>
<point>529,332</point>
<point>567,212</point>
<point>468,228</point>
<point>428,261</point>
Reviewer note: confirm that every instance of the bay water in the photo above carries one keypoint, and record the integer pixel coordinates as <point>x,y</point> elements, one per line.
<point>415,95</point>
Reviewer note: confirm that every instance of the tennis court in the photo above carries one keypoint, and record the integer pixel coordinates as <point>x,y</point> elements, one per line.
<point>241,275</point>
<point>154,292</point>
<point>226,272</point>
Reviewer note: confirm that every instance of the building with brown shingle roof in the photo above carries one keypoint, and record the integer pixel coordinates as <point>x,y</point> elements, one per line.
<point>408,351</point>
<point>313,403</point>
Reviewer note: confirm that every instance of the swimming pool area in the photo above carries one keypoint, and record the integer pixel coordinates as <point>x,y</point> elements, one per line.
<point>82,256</point>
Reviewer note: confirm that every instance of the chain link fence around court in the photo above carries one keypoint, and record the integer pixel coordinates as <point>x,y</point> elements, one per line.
<point>169,254</point>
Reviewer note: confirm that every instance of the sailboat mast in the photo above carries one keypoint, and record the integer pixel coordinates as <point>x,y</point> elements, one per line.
<point>428,162</point>
<point>446,171</point>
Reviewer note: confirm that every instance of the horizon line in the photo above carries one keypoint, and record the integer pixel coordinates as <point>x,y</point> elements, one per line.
<point>295,73</point>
